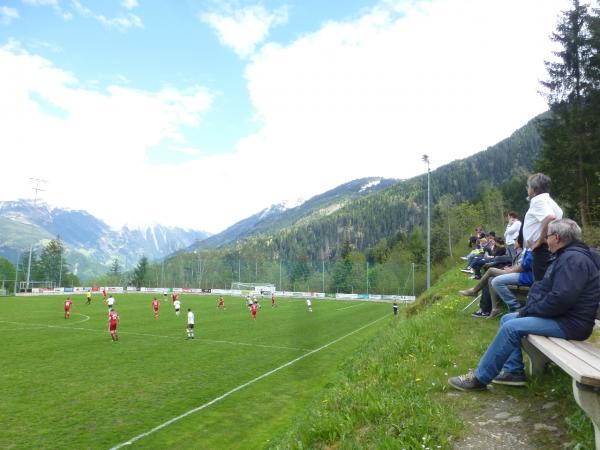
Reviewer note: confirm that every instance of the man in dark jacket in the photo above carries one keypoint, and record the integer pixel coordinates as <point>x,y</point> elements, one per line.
<point>563,304</point>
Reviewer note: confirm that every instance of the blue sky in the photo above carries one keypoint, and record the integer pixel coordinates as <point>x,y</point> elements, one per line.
<point>200,113</point>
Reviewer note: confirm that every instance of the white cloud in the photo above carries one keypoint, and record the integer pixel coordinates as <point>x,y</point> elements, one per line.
<point>7,15</point>
<point>128,20</point>
<point>94,155</point>
<point>65,15</point>
<point>368,97</point>
<point>243,29</point>
<point>129,4</point>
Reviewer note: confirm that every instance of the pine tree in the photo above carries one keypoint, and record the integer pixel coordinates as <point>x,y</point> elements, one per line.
<point>568,155</point>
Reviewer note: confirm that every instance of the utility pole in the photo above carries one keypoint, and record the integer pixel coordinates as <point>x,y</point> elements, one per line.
<point>17,274</point>
<point>36,189</point>
<point>323,274</point>
<point>367,279</point>
<point>426,161</point>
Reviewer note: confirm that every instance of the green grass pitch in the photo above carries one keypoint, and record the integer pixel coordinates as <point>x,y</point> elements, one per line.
<point>64,383</point>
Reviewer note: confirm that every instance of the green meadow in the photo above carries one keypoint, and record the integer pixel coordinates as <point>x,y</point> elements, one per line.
<point>239,384</point>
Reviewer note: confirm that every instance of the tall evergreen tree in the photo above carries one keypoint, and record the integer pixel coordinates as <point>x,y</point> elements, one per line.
<point>568,155</point>
<point>140,271</point>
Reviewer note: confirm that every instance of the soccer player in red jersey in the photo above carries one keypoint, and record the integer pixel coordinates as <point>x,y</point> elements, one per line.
<point>221,303</point>
<point>68,304</point>
<point>273,305</point>
<point>113,321</point>
<point>104,294</point>
<point>173,297</point>
<point>155,305</point>
<point>253,309</point>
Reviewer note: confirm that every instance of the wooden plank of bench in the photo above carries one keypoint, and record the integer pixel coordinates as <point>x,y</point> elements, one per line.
<point>564,357</point>
<point>583,350</point>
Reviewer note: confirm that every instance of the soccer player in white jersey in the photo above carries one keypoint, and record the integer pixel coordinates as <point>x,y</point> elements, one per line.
<point>190,324</point>
<point>110,301</point>
<point>177,305</point>
<point>309,304</point>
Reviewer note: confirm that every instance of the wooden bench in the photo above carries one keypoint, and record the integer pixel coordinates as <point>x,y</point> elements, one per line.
<point>581,360</point>
<point>520,292</point>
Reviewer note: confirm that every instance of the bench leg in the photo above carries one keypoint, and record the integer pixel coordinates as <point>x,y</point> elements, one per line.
<point>537,359</point>
<point>588,398</point>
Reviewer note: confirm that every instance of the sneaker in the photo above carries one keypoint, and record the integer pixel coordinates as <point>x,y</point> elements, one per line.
<point>475,277</point>
<point>464,258</point>
<point>467,293</point>
<point>467,382</point>
<point>467,270</point>
<point>480,313</point>
<point>511,379</point>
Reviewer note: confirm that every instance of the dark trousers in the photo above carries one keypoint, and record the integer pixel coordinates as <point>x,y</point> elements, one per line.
<point>485,302</point>
<point>540,258</point>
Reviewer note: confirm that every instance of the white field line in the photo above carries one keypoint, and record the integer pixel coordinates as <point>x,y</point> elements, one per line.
<point>256,345</point>
<point>240,387</point>
<point>351,306</point>
<point>81,321</point>
<point>40,325</point>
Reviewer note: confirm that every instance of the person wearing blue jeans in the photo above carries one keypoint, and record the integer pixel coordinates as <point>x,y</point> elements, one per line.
<point>522,276</point>
<point>563,304</point>
<point>504,353</point>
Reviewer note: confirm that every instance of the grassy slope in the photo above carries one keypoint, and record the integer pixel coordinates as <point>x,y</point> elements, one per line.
<point>394,392</point>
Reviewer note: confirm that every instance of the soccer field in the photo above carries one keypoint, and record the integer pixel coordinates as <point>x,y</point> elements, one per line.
<point>64,383</point>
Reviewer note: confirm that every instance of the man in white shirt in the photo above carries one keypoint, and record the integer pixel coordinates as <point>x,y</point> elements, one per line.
<point>177,305</point>
<point>542,210</point>
<point>511,233</point>
<point>309,304</point>
<point>110,301</point>
<point>190,324</point>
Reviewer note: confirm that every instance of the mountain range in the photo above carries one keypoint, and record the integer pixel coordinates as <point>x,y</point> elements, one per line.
<point>90,244</point>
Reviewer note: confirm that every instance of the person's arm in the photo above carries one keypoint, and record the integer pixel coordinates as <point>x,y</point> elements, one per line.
<point>542,237</point>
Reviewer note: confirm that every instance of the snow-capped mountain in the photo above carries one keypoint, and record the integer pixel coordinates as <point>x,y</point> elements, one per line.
<point>90,243</point>
<point>288,213</point>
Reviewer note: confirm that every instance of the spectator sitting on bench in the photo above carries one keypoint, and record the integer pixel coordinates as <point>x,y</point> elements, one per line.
<point>475,253</point>
<point>520,275</point>
<point>493,254</point>
<point>563,305</point>
<point>489,306</point>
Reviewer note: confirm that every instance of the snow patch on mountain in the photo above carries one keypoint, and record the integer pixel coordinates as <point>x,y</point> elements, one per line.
<point>369,185</point>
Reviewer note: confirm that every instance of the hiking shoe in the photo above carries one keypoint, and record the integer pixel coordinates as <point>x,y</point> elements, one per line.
<point>467,293</point>
<point>467,382</point>
<point>511,379</point>
<point>480,313</point>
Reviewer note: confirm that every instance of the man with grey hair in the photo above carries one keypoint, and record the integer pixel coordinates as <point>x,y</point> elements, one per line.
<point>563,304</point>
<point>542,210</point>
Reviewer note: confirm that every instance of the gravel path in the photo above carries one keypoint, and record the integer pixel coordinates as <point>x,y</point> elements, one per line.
<point>506,422</point>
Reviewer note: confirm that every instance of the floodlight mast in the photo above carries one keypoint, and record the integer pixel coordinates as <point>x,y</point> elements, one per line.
<point>37,182</point>
<point>426,161</point>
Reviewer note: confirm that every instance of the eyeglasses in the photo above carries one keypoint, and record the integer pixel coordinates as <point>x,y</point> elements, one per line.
<point>551,234</point>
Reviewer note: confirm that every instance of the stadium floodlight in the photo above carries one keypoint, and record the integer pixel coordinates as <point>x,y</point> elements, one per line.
<point>426,161</point>
<point>37,182</point>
